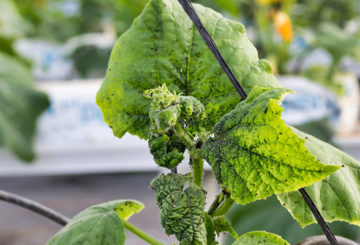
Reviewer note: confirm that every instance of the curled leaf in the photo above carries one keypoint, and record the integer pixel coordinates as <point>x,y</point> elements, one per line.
<point>167,151</point>
<point>181,210</point>
<point>337,196</point>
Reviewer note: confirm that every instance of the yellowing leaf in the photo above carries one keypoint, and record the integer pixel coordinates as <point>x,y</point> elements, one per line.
<point>337,196</point>
<point>254,154</point>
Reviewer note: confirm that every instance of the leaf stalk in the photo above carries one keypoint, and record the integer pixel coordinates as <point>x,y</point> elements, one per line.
<point>195,157</point>
<point>224,207</point>
<point>141,234</point>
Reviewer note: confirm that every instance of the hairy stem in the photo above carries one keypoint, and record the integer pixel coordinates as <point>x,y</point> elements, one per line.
<point>34,207</point>
<point>198,169</point>
<point>196,159</point>
<point>146,237</point>
<point>215,204</point>
<point>184,137</point>
<point>224,207</point>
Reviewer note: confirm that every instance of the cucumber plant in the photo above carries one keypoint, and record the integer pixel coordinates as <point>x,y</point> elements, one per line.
<point>164,85</point>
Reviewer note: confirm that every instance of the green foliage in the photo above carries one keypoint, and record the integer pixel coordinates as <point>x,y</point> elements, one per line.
<point>260,237</point>
<point>164,85</point>
<point>254,154</point>
<point>337,196</point>
<point>336,41</point>
<point>162,46</point>
<point>100,224</point>
<point>12,24</point>
<point>268,215</point>
<point>221,224</point>
<point>181,209</point>
<point>20,106</point>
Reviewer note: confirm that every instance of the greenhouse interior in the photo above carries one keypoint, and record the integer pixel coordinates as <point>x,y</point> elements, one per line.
<point>232,122</point>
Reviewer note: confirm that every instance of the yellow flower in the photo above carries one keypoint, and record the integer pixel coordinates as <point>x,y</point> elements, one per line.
<point>283,25</point>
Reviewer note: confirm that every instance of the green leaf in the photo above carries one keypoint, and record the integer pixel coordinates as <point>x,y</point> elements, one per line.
<point>337,196</point>
<point>163,46</point>
<point>270,216</point>
<point>20,106</point>
<point>181,209</point>
<point>221,224</point>
<point>99,224</point>
<point>12,24</point>
<point>254,154</point>
<point>260,237</point>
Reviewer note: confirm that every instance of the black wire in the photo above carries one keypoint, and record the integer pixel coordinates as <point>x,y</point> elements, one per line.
<point>212,46</point>
<point>326,229</point>
<point>190,11</point>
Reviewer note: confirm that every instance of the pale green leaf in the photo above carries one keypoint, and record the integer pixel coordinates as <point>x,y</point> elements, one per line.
<point>337,196</point>
<point>163,46</point>
<point>20,106</point>
<point>254,154</point>
<point>12,24</point>
<point>260,237</point>
<point>99,224</point>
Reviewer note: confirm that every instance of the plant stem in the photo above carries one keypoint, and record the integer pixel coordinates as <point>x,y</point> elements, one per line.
<point>146,237</point>
<point>225,206</point>
<point>184,137</point>
<point>198,169</point>
<point>332,69</point>
<point>196,159</point>
<point>215,204</point>
<point>34,207</point>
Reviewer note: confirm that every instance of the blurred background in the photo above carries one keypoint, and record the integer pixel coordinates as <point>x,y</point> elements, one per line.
<point>55,147</point>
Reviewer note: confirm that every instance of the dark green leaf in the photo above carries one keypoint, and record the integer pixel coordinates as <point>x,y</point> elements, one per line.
<point>162,46</point>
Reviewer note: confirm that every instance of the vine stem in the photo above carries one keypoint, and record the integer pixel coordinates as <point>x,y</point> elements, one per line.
<point>214,205</point>
<point>224,207</point>
<point>190,11</point>
<point>196,159</point>
<point>146,237</point>
<point>34,206</point>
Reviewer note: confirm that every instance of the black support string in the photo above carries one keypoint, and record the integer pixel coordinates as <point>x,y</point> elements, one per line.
<point>212,46</point>
<point>190,11</point>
